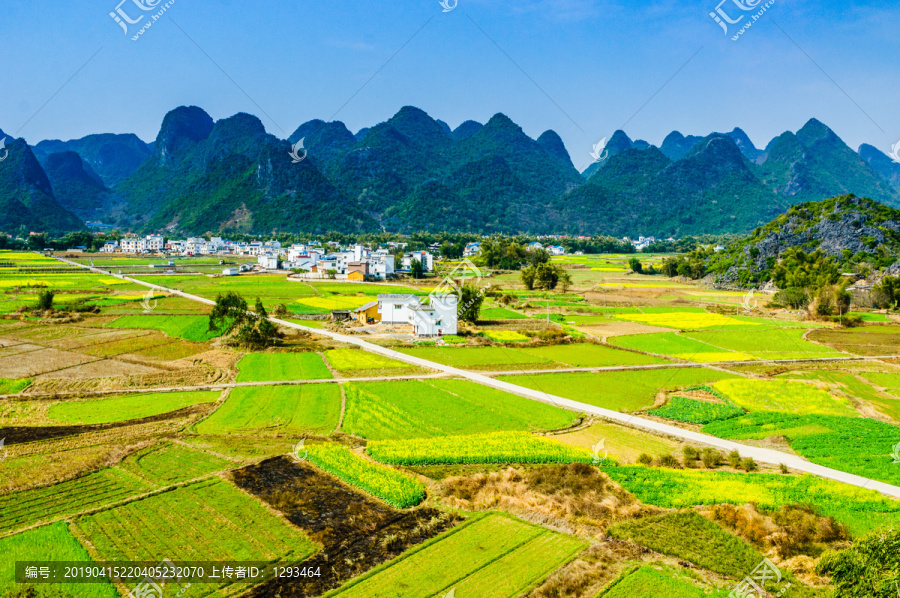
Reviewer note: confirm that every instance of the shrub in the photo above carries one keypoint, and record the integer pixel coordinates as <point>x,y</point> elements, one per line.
<point>711,458</point>
<point>784,469</point>
<point>868,569</point>
<point>749,464</point>
<point>793,297</point>
<point>668,461</point>
<point>45,300</point>
<point>644,459</point>
<point>690,454</point>
<point>734,459</point>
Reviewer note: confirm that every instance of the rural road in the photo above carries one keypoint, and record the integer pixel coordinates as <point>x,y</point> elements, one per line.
<point>762,455</point>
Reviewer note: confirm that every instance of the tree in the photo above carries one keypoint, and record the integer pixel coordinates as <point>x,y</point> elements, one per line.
<point>670,266</point>
<point>868,569</point>
<point>537,256</point>
<point>887,292</point>
<point>252,329</point>
<point>416,269</point>
<point>635,265</point>
<point>45,300</point>
<point>528,277</point>
<point>470,301</point>
<point>545,276</point>
<point>565,281</point>
<point>793,297</point>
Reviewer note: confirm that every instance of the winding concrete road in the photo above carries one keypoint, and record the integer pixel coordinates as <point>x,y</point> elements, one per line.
<point>762,455</point>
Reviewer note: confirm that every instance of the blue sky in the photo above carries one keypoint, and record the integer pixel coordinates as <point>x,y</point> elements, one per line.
<point>580,67</point>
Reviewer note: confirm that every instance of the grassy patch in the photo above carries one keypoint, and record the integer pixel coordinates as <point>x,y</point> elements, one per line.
<point>485,357</point>
<point>648,581</point>
<point>191,328</point>
<point>588,355</point>
<point>418,409</point>
<point>501,313</point>
<point>270,367</point>
<point>621,443</point>
<point>126,407</point>
<point>392,486</point>
<point>783,395</point>
<point>685,320</point>
<point>868,340</point>
<point>499,447</point>
<point>493,556</point>
<point>692,537</point>
<point>294,409</point>
<point>49,543</point>
<point>621,391</point>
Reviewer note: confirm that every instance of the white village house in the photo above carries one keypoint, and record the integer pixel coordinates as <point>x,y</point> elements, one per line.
<point>437,318</point>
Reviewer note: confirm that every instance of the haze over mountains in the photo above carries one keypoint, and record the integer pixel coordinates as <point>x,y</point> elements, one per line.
<point>414,173</point>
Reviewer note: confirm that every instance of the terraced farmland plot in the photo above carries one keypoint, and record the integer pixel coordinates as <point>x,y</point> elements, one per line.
<point>689,410</point>
<point>482,357</point>
<point>49,543</point>
<point>679,346</point>
<point>853,444</point>
<point>328,303</point>
<point>356,363</point>
<point>127,407</point>
<point>849,382</point>
<point>620,391</point>
<point>620,443</point>
<point>501,313</point>
<point>499,447</point>
<point>785,396</point>
<point>415,409</point>
<point>169,463</point>
<point>491,557</point>
<point>862,510</point>
<point>774,343</point>
<point>191,328</point>
<point>266,410</point>
<point>391,485</point>
<point>581,355</point>
<point>266,367</point>
<point>686,320</point>
<point>207,521</point>
<point>648,581</point>
<point>869,340</point>
<point>22,509</point>
<point>11,386</point>
<point>271,288</point>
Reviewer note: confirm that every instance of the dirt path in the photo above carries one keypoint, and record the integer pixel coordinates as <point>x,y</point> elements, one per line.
<point>772,457</point>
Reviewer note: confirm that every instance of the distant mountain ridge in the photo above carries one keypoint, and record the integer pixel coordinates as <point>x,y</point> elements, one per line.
<point>413,172</point>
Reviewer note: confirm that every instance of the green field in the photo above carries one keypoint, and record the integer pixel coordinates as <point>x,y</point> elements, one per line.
<point>854,444</point>
<point>647,581</point>
<point>588,355</point>
<point>692,537</point>
<point>170,463</point>
<point>862,510</point>
<point>49,543</point>
<point>783,395</point>
<point>348,361</point>
<point>481,357</point>
<point>500,313</point>
<point>127,407</point>
<point>66,498</point>
<point>11,386</point>
<point>270,367</point>
<point>620,443</point>
<point>390,485</point>
<point>206,521</point>
<point>685,320</point>
<point>498,447</point>
<point>728,345</point>
<point>620,391</point>
<point>294,409</point>
<point>191,328</point>
<point>401,410</point>
<point>491,557</point>
<point>689,410</point>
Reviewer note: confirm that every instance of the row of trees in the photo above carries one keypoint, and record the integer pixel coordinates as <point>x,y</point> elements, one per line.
<point>546,276</point>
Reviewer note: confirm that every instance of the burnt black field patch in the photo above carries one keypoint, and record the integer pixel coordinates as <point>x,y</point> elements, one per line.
<point>356,532</point>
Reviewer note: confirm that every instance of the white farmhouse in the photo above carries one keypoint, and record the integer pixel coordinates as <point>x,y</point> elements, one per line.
<point>396,309</point>
<point>437,318</point>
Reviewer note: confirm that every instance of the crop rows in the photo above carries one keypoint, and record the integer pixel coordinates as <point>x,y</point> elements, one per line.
<point>392,486</point>
<point>491,557</point>
<point>95,490</point>
<point>173,463</point>
<point>500,447</point>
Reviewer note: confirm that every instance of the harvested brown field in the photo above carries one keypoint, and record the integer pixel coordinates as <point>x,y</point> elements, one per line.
<point>575,498</point>
<point>591,570</point>
<point>90,340</point>
<point>40,362</point>
<point>102,369</point>
<point>128,344</point>
<point>356,532</point>
<point>11,348</point>
<point>620,328</point>
<point>868,340</point>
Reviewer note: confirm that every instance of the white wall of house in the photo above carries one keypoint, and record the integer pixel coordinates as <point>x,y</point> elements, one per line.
<point>395,309</point>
